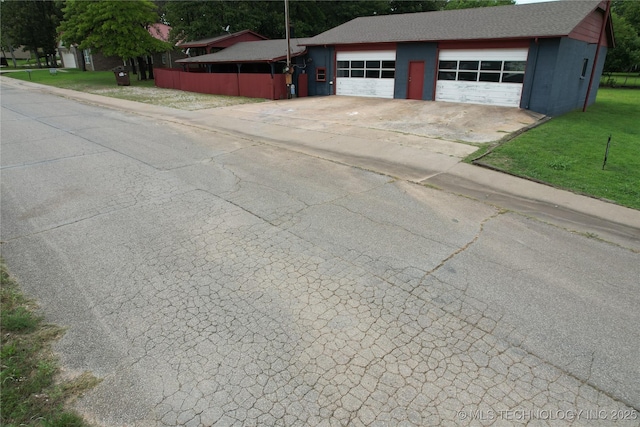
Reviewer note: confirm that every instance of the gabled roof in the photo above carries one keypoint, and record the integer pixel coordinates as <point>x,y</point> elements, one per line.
<point>551,19</point>
<point>159,31</point>
<point>258,51</point>
<point>212,41</point>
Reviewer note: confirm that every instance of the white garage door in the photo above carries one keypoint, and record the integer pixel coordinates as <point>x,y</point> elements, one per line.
<point>368,73</point>
<point>481,76</point>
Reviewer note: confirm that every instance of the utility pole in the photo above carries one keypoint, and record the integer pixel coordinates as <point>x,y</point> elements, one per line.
<point>289,70</point>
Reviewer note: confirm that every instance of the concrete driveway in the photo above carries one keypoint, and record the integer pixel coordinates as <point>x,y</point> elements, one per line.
<point>437,120</point>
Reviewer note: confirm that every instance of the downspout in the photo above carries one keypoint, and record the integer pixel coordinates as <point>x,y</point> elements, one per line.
<point>289,75</point>
<point>595,59</point>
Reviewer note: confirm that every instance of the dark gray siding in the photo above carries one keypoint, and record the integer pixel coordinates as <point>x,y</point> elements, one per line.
<point>554,84</point>
<point>569,87</point>
<point>596,80</point>
<point>407,52</point>
<point>539,75</point>
<point>320,57</point>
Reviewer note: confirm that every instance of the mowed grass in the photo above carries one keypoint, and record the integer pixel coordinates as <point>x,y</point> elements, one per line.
<point>30,395</point>
<point>75,79</point>
<point>568,151</point>
<point>104,83</point>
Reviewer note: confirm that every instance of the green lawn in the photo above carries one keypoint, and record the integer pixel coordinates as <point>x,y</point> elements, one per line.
<point>104,83</point>
<point>568,151</point>
<point>31,396</point>
<point>25,63</point>
<point>84,81</point>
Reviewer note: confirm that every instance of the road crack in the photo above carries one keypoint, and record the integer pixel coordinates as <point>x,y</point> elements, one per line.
<point>466,246</point>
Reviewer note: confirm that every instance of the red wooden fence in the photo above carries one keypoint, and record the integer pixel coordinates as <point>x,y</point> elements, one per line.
<point>232,84</point>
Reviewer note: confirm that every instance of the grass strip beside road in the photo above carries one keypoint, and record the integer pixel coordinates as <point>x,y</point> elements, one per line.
<point>568,151</point>
<point>104,83</point>
<point>31,396</point>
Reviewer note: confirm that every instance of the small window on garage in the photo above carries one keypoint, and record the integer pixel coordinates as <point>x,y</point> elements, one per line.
<point>585,64</point>
<point>447,75</point>
<point>491,65</point>
<point>513,78</point>
<point>514,65</point>
<point>489,77</point>
<point>448,65</point>
<point>468,65</point>
<point>321,74</point>
<point>468,77</point>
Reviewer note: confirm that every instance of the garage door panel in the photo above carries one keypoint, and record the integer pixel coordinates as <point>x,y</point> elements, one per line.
<point>360,81</point>
<point>484,54</point>
<point>506,95</point>
<point>372,55</point>
<point>492,64</point>
<point>377,88</point>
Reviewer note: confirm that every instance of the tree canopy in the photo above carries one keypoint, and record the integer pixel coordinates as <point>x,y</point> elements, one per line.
<point>626,53</point>
<point>31,23</point>
<point>625,56</point>
<point>467,4</point>
<point>115,28</point>
<point>194,20</point>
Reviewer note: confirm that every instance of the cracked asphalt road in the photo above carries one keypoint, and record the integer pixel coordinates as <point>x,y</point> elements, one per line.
<point>212,280</point>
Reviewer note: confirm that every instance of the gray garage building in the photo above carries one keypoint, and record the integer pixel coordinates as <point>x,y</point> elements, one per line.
<point>538,56</point>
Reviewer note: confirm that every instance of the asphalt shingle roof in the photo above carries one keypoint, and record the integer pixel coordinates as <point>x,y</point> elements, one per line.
<point>515,21</point>
<point>214,40</point>
<point>256,51</point>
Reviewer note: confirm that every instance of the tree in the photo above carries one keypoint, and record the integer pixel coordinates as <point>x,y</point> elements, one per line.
<point>626,53</point>
<point>466,4</point>
<point>194,20</point>
<point>115,28</point>
<point>32,23</point>
<point>629,10</point>
<point>411,6</point>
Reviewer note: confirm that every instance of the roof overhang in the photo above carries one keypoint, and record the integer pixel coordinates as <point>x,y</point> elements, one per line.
<point>265,51</point>
<point>212,41</point>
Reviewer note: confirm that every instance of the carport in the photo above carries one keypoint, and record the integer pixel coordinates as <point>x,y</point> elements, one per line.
<point>254,69</point>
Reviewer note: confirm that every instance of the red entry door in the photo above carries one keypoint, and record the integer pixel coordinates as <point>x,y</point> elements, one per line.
<point>416,80</point>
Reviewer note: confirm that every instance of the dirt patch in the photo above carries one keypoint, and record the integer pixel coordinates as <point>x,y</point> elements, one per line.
<point>189,101</point>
